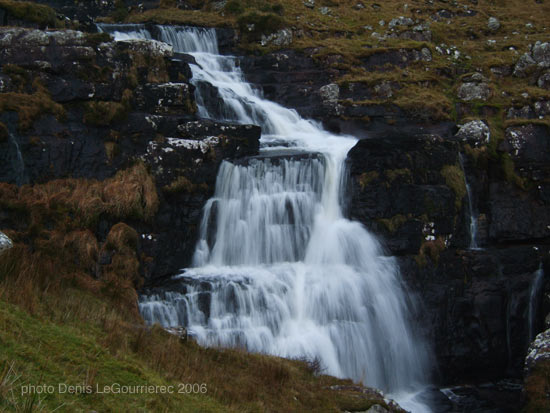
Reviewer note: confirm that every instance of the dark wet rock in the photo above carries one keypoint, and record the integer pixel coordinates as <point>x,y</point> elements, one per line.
<point>164,97</point>
<point>398,189</point>
<point>529,143</point>
<point>516,215</point>
<point>475,309</point>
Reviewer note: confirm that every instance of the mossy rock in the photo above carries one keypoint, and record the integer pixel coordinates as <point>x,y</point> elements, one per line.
<point>43,15</point>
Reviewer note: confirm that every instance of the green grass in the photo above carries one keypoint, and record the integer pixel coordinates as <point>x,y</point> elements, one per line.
<point>41,352</point>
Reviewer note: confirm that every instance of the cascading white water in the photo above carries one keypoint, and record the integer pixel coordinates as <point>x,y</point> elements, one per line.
<point>471,210</point>
<point>277,268</point>
<point>536,285</point>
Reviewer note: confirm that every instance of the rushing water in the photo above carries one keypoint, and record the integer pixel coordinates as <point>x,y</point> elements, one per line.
<point>278,268</point>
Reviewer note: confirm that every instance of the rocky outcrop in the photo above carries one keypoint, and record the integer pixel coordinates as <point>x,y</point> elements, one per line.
<point>410,190</point>
<point>89,107</point>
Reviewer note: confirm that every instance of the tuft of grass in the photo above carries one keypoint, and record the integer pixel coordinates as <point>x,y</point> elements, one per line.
<point>183,184</point>
<point>31,107</point>
<point>431,249</point>
<point>102,113</point>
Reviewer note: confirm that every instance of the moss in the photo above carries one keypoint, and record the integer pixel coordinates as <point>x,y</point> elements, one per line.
<point>366,178</point>
<point>102,113</point>
<point>401,174</point>
<point>253,25</point>
<point>18,76</point>
<point>32,12</point>
<point>424,103</point>
<point>95,39</point>
<point>509,171</point>
<point>394,223</point>
<point>454,178</point>
<point>234,7</point>
<point>120,13</point>
<point>182,184</point>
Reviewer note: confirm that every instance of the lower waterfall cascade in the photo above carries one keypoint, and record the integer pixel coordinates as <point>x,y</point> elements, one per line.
<point>278,269</point>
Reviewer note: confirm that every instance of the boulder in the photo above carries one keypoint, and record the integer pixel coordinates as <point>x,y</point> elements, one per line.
<point>544,81</point>
<point>476,132</point>
<point>281,38</point>
<point>539,351</point>
<point>474,91</point>
<point>523,66</point>
<point>493,24</point>
<point>5,243</point>
<point>541,54</point>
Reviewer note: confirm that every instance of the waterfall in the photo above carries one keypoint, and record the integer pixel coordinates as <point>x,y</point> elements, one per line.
<point>278,269</point>
<point>534,296</point>
<point>18,163</point>
<point>471,211</point>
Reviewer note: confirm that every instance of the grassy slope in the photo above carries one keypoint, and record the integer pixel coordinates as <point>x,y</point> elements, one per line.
<point>64,318</point>
<point>41,352</point>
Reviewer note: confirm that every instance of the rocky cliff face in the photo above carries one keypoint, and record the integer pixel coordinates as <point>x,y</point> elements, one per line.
<point>78,105</point>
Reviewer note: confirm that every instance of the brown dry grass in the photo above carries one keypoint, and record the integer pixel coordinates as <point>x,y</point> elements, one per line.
<point>30,107</point>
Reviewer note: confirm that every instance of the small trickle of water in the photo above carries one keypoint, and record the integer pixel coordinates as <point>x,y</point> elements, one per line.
<point>534,299</point>
<point>18,163</point>
<point>471,210</point>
